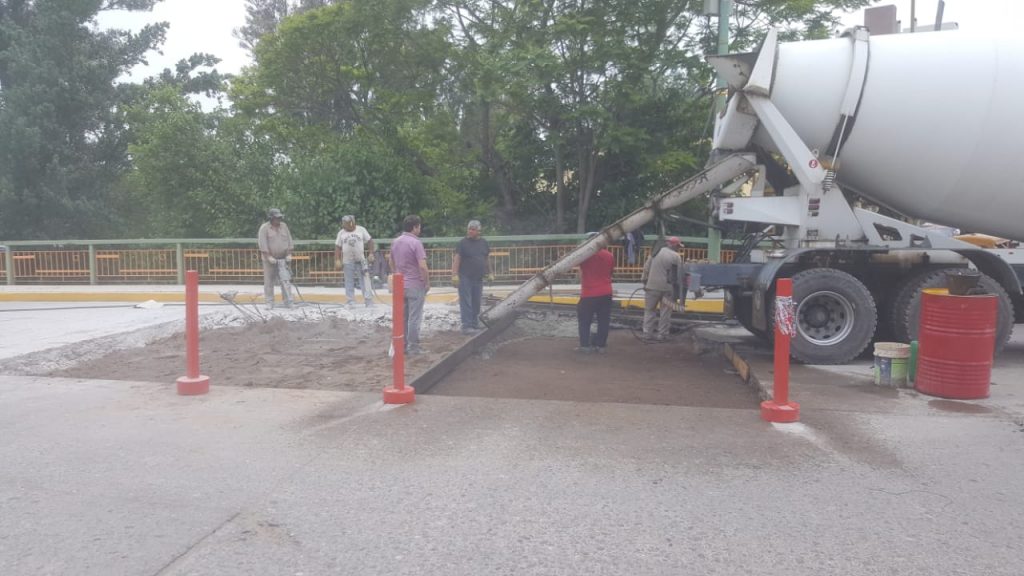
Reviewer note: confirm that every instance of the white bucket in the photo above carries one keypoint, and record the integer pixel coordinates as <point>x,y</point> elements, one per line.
<point>891,359</point>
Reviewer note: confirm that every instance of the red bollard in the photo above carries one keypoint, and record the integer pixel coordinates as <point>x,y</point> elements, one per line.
<point>779,408</point>
<point>398,392</point>
<point>193,383</point>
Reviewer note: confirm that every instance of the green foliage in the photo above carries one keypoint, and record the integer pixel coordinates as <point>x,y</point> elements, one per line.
<point>532,115</point>
<point>61,143</point>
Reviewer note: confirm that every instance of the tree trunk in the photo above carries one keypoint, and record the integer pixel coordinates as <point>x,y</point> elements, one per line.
<point>495,164</point>
<point>588,180</point>
<point>559,191</point>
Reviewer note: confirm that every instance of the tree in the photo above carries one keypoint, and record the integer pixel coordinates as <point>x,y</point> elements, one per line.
<point>579,75</point>
<point>353,96</point>
<point>61,143</point>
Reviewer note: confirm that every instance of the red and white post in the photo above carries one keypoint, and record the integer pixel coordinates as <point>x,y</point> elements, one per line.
<point>779,408</point>
<point>193,383</point>
<point>398,392</point>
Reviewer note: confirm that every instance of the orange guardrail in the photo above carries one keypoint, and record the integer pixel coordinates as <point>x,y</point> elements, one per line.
<point>226,265</point>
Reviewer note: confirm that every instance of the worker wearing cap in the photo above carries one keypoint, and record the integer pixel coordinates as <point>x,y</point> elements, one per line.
<point>663,275</point>
<point>470,266</point>
<point>275,243</point>
<point>350,253</point>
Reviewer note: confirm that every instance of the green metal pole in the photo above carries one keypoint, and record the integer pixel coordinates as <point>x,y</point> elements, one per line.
<point>9,265</point>
<point>180,262</point>
<point>724,15</point>
<point>92,264</point>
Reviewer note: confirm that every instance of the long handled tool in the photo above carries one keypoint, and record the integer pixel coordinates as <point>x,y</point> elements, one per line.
<point>285,274</point>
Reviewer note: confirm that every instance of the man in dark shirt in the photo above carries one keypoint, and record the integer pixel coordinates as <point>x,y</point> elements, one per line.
<point>469,267</point>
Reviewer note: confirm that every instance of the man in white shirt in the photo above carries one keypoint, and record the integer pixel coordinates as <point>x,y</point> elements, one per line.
<point>350,254</point>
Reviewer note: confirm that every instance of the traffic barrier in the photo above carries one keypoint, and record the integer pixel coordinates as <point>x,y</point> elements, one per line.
<point>779,408</point>
<point>398,392</point>
<point>193,383</point>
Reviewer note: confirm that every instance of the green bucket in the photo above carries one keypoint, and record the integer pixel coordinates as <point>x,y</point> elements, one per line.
<point>891,362</point>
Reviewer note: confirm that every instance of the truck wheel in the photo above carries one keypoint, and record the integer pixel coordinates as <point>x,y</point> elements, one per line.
<point>906,312</point>
<point>743,310</point>
<point>835,316</point>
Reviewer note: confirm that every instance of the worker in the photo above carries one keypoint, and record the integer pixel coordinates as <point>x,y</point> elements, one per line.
<point>275,244</point>
<point>470,266</point>
<point>350,253</point>
<point>409,259</point>
<point>595,300</point>
<point>663,275</point>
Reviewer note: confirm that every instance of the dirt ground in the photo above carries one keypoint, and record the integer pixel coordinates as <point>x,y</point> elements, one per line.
<point>533,359</point>
<point>333,354</point>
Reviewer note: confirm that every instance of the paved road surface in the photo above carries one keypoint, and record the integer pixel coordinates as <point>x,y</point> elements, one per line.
<point>107,478</point>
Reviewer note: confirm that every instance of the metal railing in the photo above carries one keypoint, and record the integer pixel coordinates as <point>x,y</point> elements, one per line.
<point>236,261</point>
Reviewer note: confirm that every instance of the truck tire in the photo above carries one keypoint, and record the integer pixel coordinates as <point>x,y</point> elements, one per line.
<point>906,312</point>
<point>835,316</point>
<point>743,310</point>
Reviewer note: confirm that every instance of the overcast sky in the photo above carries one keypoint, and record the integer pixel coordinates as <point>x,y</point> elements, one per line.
<point>206,25</point>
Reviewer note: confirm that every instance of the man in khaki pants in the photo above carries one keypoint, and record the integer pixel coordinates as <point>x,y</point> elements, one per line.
<point>662,274</point>
<point>275,242</point>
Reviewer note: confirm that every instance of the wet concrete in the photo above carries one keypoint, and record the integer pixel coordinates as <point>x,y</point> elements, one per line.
<point>676,373</point>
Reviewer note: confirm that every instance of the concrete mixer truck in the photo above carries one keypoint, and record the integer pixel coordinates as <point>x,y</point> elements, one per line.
<point>832,150</point>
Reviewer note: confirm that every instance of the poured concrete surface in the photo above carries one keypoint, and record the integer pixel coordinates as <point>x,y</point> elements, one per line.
<point>547,368</point>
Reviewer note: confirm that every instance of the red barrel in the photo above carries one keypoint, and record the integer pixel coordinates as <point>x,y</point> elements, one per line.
<point>956,344</point>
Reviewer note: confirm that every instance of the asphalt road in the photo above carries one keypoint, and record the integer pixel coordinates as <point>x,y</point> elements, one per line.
<point>105,477</point>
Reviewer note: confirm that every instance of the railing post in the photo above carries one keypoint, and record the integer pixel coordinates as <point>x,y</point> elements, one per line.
<point>92,264</point>
<point>9,265</point>
<point>179,260</point>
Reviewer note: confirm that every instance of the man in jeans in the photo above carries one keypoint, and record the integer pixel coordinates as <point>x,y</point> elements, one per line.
<point>350,252</point>
<point>469,268</point>
<point>595,300</point>
<point>409,259</point>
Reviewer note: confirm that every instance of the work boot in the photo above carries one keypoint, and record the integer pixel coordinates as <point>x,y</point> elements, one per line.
<point>583,349</point>
<point>599,350</point>
<point>468,330</point>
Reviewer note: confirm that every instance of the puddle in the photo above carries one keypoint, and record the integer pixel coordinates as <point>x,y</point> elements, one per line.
<point>958,407</point>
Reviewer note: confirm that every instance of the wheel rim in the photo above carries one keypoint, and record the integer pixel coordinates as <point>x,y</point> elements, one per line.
<point>825,318</point>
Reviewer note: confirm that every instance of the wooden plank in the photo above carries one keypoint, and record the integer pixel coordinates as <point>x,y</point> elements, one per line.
<point>62,272</point>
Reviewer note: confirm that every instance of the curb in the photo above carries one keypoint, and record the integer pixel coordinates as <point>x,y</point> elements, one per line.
<point>176,297</point>
<point>742,367</point>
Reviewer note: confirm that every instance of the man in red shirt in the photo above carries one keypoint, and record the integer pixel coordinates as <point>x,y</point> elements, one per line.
<point>595,300</point>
